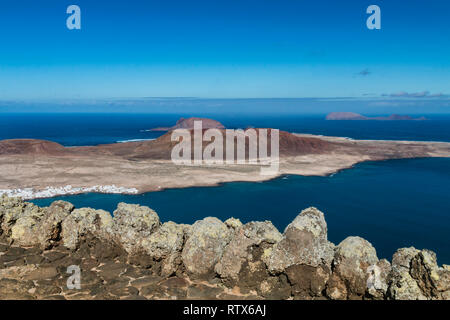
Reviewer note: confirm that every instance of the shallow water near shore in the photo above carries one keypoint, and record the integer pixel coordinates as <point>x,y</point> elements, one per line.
<point>392,204</point>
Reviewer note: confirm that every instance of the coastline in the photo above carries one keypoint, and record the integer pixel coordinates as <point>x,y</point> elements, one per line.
<point>50,175</point>
<point>52,192</point>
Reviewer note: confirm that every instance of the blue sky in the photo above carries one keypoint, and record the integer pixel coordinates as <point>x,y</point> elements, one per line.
<point>223,49</point>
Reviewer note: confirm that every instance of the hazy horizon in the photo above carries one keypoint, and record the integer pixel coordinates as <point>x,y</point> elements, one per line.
<point>256,106</point>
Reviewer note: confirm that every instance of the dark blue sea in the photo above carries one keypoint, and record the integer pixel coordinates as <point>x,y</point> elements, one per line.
<point>392,204</point>
<point>92,129</point>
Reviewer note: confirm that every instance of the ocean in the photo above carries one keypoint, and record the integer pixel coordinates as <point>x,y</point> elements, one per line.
<point>92,129</point>
<point>392,204</point>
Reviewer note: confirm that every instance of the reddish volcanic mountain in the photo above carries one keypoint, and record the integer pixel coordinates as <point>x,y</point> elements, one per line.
<point>161,148</point>
<point>30,146</point>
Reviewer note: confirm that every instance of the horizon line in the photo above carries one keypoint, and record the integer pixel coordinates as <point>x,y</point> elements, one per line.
<point>106,99</point>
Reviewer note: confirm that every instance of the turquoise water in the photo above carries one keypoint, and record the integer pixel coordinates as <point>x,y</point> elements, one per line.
<point>392,204</point>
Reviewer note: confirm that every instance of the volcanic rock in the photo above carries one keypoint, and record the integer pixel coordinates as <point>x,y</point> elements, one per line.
<point>238,250</point>
<point>304,242</point>
<point>132,223</point>
<point>204,246</point>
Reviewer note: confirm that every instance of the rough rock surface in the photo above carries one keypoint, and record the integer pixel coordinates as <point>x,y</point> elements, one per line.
<point>83,221</point>
<point>133,223</point>
<point>134,256</point>
<point>238,251</point>
<point>377,279</point>
<point>416,276</point>
<point>166,244</point>
<point>29,225</point>
<point>304,243</point>
<point>352,259</point>
<point>205,245</point>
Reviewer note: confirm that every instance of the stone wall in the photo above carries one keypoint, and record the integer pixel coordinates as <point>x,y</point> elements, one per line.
<point>249,260</point>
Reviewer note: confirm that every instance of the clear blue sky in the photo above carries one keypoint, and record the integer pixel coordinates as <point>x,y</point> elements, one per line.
<point>223,49</point>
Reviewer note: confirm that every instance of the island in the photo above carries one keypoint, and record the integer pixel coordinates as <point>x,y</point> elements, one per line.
<point>36,168</point>
<point>131,254</point>
<point>357,116</point>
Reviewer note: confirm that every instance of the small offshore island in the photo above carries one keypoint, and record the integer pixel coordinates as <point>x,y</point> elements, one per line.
<point>134,256</point>
<point>37,168</point>
<point>357,116</point>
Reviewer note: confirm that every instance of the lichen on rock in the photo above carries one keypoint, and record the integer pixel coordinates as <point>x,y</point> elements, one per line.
<point>34,226</point>
<point>304,242</point>
<point>416,276</point>
<point>166,244</point>
<point>239,249</point>
<point>200,260</point>
<point>377,282</point>
<point>131,224</point>
<point>402,285</point>
<point>83,221</point>
<point>352,260</point>
<point>204,246</point>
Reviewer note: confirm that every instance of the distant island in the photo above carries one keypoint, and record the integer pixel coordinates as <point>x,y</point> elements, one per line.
<point>357,116</point>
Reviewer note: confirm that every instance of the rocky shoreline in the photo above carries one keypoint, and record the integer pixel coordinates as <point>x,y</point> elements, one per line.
<point>134,256</point>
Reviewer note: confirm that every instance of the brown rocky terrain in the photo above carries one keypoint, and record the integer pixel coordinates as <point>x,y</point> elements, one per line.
<point>161,148</point>
<point>30,147</point>
<point>134,256</point>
